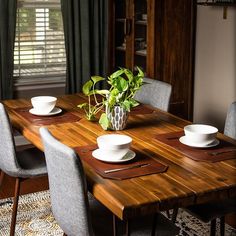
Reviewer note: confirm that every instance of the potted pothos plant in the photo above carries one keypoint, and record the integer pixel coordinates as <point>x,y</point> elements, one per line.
<point>117,101</point>
<point>94,105</point>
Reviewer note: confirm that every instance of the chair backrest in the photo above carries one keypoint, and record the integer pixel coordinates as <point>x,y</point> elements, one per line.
<point>155,93</point>
<point>8,161</point>
<point>67,185</point>
<point>230,122</point>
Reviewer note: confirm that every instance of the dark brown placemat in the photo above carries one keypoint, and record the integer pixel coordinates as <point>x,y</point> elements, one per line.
<point>63,117</point>
<point>153,166</point>
<point>141,109</point>
<point>225,149</point>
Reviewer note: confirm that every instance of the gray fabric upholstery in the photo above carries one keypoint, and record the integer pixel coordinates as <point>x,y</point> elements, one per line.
<point>24,164</point>
<point>230,122</point>
<point>155,93</point>
<point>67,186</point>
<point>69,197</point>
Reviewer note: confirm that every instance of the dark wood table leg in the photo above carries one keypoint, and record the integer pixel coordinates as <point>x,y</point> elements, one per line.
<point>127,228</point>
<point>114,225</point>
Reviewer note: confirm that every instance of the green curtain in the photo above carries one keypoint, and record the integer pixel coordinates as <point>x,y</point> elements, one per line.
<point>7,38</point>
<point>86,40</point>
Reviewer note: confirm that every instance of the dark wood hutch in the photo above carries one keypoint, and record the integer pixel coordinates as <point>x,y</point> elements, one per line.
<point>158,36</point>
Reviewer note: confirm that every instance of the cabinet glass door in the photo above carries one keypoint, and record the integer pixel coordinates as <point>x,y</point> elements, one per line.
<point>120,29</point>
<point>140,33</point>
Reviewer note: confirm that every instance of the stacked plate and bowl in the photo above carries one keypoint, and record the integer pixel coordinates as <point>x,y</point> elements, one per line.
<point>44,106</point>
<point>114,148</point>
<point>200,135</point>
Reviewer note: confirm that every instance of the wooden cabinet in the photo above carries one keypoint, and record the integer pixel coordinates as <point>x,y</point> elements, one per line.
<point>133,26</point>
<point>158,36</point>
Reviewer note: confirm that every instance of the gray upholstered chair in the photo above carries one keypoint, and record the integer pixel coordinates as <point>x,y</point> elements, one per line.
<point>209,212</point>
<point>155,93</point>
<point>19,164</point>
<point>230,122</point>
<point>74,212</point>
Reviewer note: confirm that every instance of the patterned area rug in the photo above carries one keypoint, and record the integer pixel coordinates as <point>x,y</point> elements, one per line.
<point>35,219</point>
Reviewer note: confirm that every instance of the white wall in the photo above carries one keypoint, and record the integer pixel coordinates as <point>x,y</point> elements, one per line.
<point>215,65</point>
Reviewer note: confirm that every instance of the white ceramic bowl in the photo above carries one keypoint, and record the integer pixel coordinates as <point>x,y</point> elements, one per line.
<point>200,134</point>
<point>43,104</point>
<point>114,145</point>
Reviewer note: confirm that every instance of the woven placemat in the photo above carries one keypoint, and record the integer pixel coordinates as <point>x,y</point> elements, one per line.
<point>63,117</point>
<point>152,167</point>
<point>223,151</point>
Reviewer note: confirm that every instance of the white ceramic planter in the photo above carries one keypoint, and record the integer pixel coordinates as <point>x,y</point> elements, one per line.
<point>118,117</point>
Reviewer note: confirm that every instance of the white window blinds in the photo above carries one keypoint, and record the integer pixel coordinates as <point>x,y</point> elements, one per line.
<point>39,44</point>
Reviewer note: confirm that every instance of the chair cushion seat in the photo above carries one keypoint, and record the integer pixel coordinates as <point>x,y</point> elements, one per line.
<point>209,211</point>
<point>32,163</point>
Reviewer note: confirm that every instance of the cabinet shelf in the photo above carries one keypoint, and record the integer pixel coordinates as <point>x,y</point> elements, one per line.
<point>121,48</point>
<point>141,22</point>
<point>142,52</point>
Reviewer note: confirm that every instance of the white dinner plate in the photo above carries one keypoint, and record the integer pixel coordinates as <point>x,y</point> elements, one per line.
<point>185,141</point>
<point>55,111</point>
<point>99,154</point>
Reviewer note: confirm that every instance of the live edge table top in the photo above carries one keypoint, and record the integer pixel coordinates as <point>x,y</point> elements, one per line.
<point>185,181</point>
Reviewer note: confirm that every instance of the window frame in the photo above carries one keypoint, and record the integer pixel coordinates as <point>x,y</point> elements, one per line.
<point>42,80</point>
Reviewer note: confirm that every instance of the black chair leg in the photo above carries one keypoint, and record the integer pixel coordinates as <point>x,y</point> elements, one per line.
<point>15,205</point>
<point>174,214</point>
<point>154,225</point>
<point>213,228</point>
<point>222,226</point>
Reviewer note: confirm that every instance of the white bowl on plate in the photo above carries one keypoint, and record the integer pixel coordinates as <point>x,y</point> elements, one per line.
<point>200,134</point>
<point>114,146</point>
<point>43,104</point>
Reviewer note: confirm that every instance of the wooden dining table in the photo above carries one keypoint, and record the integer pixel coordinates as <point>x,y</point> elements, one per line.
<point>186,179</point>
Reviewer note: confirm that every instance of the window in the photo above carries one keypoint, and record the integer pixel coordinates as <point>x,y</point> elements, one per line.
<point>39,53</point>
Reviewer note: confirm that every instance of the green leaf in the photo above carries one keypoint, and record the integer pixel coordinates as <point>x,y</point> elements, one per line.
<point>140,72</point>
<point>96,79</point>
<point>127,105</point>
<point>114,92</point>
<point>133,103</point>
<point>129,75</point>
<point>87,87</point>
<point>111,100</point>
<point>117,73</point>
<point>104,121</point>
<point>83,105</point>
<point>122,84</point>
<point>103,92</point>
